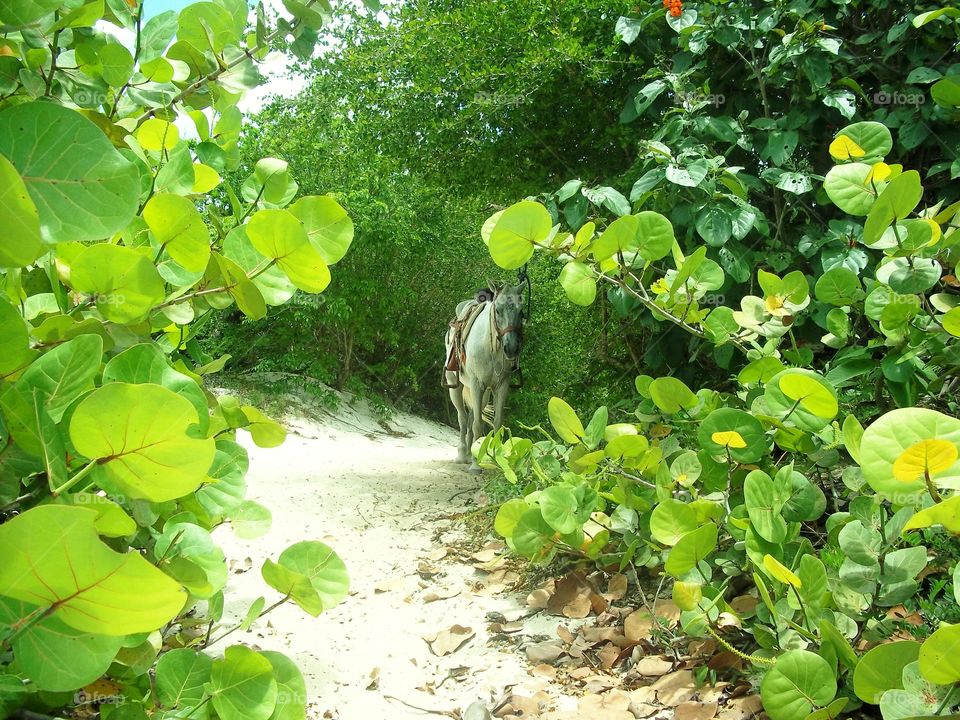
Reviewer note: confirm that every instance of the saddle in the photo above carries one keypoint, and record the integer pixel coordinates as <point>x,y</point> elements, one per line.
<point>462,324</point>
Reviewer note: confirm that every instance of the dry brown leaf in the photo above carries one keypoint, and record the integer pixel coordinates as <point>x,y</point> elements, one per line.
<point>505,628</point>
<point>544,652</point>
<point>653,666</point>
<point>580,673</point>
<point>390,585</point>
<point>563,632</point>
<point>713,693</point>
<point>643,695</point>
<point>544,670</point>
<point>450,640</point>
<point>668,610</point>
<point>485,556</point>
<point>726,620</point>
<point>643,710</point>
<point>374,676</point>
<point>438,554</point>
<point>613,705</point>
<point>440,594</point>
<point>675,688</point>
<point>693,710</point>
<point>608,655</point>
<point>741,708</point>
<point>539,598</point>
<point>566,591</point>
<point>637,625</point>
<point>598,603</point>
<point>744,604</point>
<point>426,570</point>
<point>617,587</point>
<point>725,660</point>
<point>579,607</point>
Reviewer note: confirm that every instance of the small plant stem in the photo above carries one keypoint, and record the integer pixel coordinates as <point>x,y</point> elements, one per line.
<point>232,630</point>
<point>803,608</point>
<point>934,493</point>
<point>81,474</point>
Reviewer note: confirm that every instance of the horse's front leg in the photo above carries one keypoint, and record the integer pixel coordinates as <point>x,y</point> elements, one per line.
<point>499,401</point>
<point>476,416</point>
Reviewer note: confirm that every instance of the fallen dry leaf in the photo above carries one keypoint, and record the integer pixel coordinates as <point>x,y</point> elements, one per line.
<point>426,570</point>
<point>741,708</point>
<point>617,587</point>
<point>438,554</point>
<point>608,655</point>
<point>374,676</point>
<point>485,556</point>
<point>505,628</point>
<point>653,666</point>
<point>440,594</point>
<point>544,652</point>
<point>448,641</point>
<point>390,584</point>
<point>675,688</point>
<point>693,710</point>
<point>539,598</point>
<point>579,607</point>
<point>543,670</point>
<point>563,632</point>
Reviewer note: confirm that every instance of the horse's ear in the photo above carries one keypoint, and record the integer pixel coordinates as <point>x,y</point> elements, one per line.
<point>494,285</point>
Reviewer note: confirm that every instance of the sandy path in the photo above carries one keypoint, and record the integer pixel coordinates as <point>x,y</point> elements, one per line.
<point>378,500</point>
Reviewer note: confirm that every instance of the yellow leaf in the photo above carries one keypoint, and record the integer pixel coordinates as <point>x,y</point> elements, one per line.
<point>843,148</point>
<point>878,173</point>
<point>780,571</point>
<point>927,457</point>
<point>812,395</point>
<point>729,438</point>
<point>205,178</point>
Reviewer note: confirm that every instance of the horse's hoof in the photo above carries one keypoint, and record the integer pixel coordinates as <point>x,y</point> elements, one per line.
<point>475,469</point>
<point>462,459</point>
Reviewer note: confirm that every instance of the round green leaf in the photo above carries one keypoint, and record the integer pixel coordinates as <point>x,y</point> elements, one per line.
<point>940,656</point>
<point>848,188</point>
<point>312,575</point>
<point>512,238</point>
<point>838,286</point>
<point>18,216</point>
<point>691,549</point>
<point>797,684</point>
<point>64,373</point>
<point>274,286</point>
<point>578,282</point>
<point>279,235</point>
<point>181,674</point>
<point>671,395</point>
<point>509,515</point>
<point>648,233</point>
<point>85,584</point>
<point>872,137</point>
<point>533,537</point>
<point>898,447</point>
<point>179,229</point>
<point>734,431</point>
<point>558,505</point>
<point>242,685</point>
<point>250,520</point>
<point>90,197</point>
<point>328,226</point>
<point>138,433</point>
<point>123,281</point>
<point>881,669</point>
<point>802,398</point>
<point>764,506</point>
<point>564,420</point>
<point>206,26</point>
<point>292,697</point>
<point>910,275</point>
<point>671,519</point>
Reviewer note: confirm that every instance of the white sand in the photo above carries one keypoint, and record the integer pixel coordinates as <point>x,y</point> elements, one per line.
<point>378,500</point>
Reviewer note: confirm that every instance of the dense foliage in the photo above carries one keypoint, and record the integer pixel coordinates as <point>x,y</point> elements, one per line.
<point>793,535</point>
<point>115,462</point>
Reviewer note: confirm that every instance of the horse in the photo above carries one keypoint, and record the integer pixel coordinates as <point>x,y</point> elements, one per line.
<point>488,355</point>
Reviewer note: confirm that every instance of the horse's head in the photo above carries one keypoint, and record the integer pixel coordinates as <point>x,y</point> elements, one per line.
<point>508,316</point>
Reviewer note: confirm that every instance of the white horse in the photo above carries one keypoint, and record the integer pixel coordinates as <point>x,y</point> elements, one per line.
<point>490,352</point>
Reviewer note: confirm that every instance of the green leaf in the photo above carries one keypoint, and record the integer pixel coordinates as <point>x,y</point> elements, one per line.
<point>18,216</point>
<point>848,188</point>
<point>275,287</point>
<point>64,373</point>
<point>89,198</point>
<point>518,228</point>
<point>558,505</point>
<point>714,225</point>
<point>179,229</point>
<point>508,516</point>
<point>181,675</point>
<point>764,506</point>
<point>328,226</point>
<point>896,202</point>
<point>206,25</point>
<point>881,669</point>
<point>839,286</point>
<point>940,656</point>
<point>312,575</point>
<point>832,637</point>
<point>803,398</point>
<point>671,519</point>
<point>900,445</point>
<point>533,537</point>
<point>17,353</point>
<point>292,696</point>
<point>23,12</point>
<point>797,684</point>
<point>85,584</point>
<point>123,281</point>
<point>691,549</point>
<point>648,233</point>
<point>189,542</point>
<point>146,363</point>
<point>564,420</point>
<point>279,235</point>
<point>138,433</point>
<point>728,430</point>
<point>54,656</point>
<point>872,137</point>
<point>155,135</point>
<point>242,685</point>
<point>112,520</point>
<point>264,431</point>
<point>579,283</point>
<point>250,520</point>
<point>671,395</point>
<point>946,513</point>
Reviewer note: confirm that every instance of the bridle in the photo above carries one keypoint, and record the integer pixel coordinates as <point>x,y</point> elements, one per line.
<point>498,332</point>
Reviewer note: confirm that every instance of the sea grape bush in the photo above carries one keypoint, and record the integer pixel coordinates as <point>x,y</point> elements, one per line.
<point>770,485</point>
<point>119,239</point>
